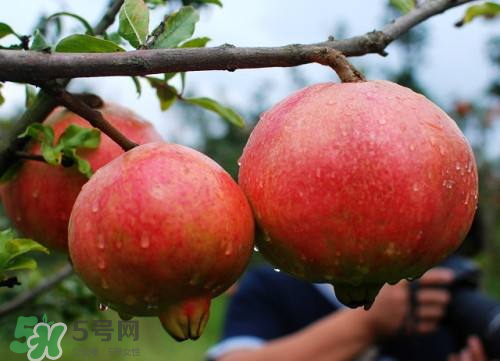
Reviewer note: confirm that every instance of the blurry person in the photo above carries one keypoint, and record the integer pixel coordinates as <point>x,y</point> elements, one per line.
<point>441,316</point>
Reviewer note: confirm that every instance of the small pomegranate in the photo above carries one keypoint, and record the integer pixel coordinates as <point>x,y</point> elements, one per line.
<point>40,197</point>
<point>358,184</point>
<point>159,231</point>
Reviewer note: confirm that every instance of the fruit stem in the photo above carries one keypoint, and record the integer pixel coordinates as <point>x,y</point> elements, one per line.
<point>337,61</point>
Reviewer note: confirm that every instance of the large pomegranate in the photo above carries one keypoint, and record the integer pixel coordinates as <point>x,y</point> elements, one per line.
<point>358,184</point>
<point>159,231</point>
<point>40,197</point>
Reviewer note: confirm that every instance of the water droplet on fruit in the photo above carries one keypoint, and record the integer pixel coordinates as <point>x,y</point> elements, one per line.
<point>35,194</point>
<point>330,102</point>
<point>256,249</point>
<point>415,187</point>
<point>469,167</point>
<point>100,241</point>
<point>101,264</point>
<point>260,185</point>
<point>145,241</point>
<point>467,199</point>
<point>442,150</point>
<point>95,207</point>
<point>382,121</point>
<point>276,270</point>
<point>410,279</point>
<point>458,166</point>
<point>239,162</point>
<point>118,243</point>
<point>102,307</point>
<point>412,147</point>
<point>419,235</point>
<point>229,249</point>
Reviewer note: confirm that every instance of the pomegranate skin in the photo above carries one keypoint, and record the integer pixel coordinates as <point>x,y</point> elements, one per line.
<point>40,197</point>
<point>358,184</point>
<point>159,231</point>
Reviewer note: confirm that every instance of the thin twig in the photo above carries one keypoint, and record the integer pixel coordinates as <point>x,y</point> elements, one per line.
<point>24,298</point>
<point>109,17</point>
<point>95,118</point>
<point>29,156</point>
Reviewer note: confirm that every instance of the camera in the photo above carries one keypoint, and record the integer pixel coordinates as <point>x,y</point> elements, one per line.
<point>470,312</point>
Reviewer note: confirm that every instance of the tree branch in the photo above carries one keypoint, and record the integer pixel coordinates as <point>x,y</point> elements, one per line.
<point>44,286</point>
<point>109,17</point>
<point>29,66</point>
<point>43,104</point>
<point>95,118</point>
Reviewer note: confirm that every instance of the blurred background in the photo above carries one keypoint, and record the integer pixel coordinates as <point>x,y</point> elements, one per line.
<point>457,68</point>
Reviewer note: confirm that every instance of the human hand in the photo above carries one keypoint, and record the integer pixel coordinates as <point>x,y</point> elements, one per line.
<point>391,310</point>
<point>430,301</point>
<point>474,351</point>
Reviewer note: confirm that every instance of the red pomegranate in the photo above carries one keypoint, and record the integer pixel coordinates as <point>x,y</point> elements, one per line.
<point>40,197</point>
<point>358,184</point>
<point>159,231</point>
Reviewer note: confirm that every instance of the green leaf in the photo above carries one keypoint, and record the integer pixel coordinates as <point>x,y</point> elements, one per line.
<point>85,23</point>
<point>169,76</point>
<point>73,138</point>
<point>404,6</point>
<point>30,95</point>
<point>487,10</point>
<point>39,132</point>
<point>166,94</point>
<point>2,99</point>
<point>178,28</point>
<point>39,42</point>
<point>134,20</point>
<point>12,247</point>
<point>226,113</point>
<point>21,263</point>
<point>215,2</point>
<point>6,30</point>
<point>137,85</point>
<point>79,137</point>
<point>196,43</point>
<point>83,166</point>
<point>81,43</point>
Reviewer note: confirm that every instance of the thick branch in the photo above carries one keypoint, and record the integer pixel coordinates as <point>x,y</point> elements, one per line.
<point>27,66</point>
<point>44,286</point>
<point>95,118</point>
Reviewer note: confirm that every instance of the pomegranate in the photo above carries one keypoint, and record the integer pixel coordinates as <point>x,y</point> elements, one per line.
<point>358,184</point>
<point>40,197</point>
<point>159,231</point>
